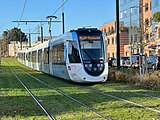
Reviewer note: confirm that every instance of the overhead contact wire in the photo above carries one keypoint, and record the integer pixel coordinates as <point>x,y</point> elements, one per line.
<point>22,12</point>
<point>54,13</point>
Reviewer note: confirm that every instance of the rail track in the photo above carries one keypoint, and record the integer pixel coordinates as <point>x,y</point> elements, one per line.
<point>33,96</point>
<point>57,90</point>
<point>138,93</point>
<point>98,89</point>
<point>125,100</point>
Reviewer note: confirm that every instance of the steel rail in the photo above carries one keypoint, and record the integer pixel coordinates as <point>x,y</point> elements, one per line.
<point>37,101</point>
<point>115,97</point>
<point>122,99</point>
<point>138,93</point>
<point>68,96</point>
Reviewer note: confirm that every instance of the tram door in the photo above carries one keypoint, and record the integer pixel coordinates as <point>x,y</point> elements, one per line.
<point>74,58</point>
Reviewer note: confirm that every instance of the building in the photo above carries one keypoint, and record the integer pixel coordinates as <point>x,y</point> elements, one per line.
<point>129,12</point>
<point>151,28</point>
<point>110,38</point>
<point>15,46</point>
<point>155,4</point>
<point>129,16</point>
<point>154,46</point>
<point>45,38</point>
<point>136,19</point>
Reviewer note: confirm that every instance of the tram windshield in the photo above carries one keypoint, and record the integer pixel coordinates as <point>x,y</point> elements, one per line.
<point>91,47</point>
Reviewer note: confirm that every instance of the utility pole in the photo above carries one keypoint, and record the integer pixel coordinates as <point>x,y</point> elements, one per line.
<point>29,40</point>
<point>21,40</point>
<point>117,34</point>
<point>29,37</point>
<point>141,25</point>
<point>63,17</point>
<point>40,21</point>
<point>50,19</point>
<point>0,52</point>
<point>34,21</point>
<point>42,34</point>
<point>130,35</point>
<point>141,28</point>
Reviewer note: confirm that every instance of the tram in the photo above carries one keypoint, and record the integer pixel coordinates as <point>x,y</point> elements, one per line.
<point>78,55</point>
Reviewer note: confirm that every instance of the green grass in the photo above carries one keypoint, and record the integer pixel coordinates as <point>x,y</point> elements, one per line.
<point>14,100</point>
<point>19,105</point>
<point>150,80</point>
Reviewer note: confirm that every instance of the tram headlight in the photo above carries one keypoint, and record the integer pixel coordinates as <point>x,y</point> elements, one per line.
<point>86,65</point>
<point>90,65</point>
<point>95,69</point>
<point>98,65</point>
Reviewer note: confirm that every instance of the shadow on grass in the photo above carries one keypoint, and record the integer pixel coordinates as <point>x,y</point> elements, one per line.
<point>57,104</point>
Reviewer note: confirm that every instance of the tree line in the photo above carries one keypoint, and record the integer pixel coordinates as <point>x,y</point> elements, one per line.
<point>14,34</point>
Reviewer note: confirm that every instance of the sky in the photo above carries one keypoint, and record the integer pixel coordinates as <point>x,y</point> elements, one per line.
<point>78,13</point>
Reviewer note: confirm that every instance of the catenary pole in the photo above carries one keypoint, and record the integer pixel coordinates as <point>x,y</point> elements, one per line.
<point>42,34</point>
<point>117,34</point>
<point>63,17</point>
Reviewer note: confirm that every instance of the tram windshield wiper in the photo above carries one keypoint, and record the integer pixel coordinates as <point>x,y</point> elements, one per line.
<point>88,55</point>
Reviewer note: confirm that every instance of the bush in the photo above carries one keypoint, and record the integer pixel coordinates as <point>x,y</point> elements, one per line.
<point>152,81</point>
<point>149,81</point>
<point>156,17</point>
<point>121,76</point>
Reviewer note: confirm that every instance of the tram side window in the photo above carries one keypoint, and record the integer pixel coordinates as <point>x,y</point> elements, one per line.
<point>73,53</point>
<point>58,54</point>
<point>34,56</point>
<point>54,54</point>
<point>29,57</point>
<point>23,56</point>
<point>40,56</point>
<point>46,59</point>
<point>19,55</point>
<point>26,56</point>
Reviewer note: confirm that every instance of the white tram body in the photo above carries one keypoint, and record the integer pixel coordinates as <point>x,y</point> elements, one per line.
<point>78,55</point>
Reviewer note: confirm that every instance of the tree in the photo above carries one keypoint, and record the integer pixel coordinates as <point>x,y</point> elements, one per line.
<point>124,29</point>
<point>4,43</point>
<point>5,33</point>
<point>15,34</point>
<point>156,17</point>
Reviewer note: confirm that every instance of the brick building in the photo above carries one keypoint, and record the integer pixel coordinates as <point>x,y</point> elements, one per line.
<point>136,16</point>
<point>110,38</point>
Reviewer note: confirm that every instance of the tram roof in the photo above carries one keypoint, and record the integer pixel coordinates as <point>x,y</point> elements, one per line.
<point>61,38</point>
